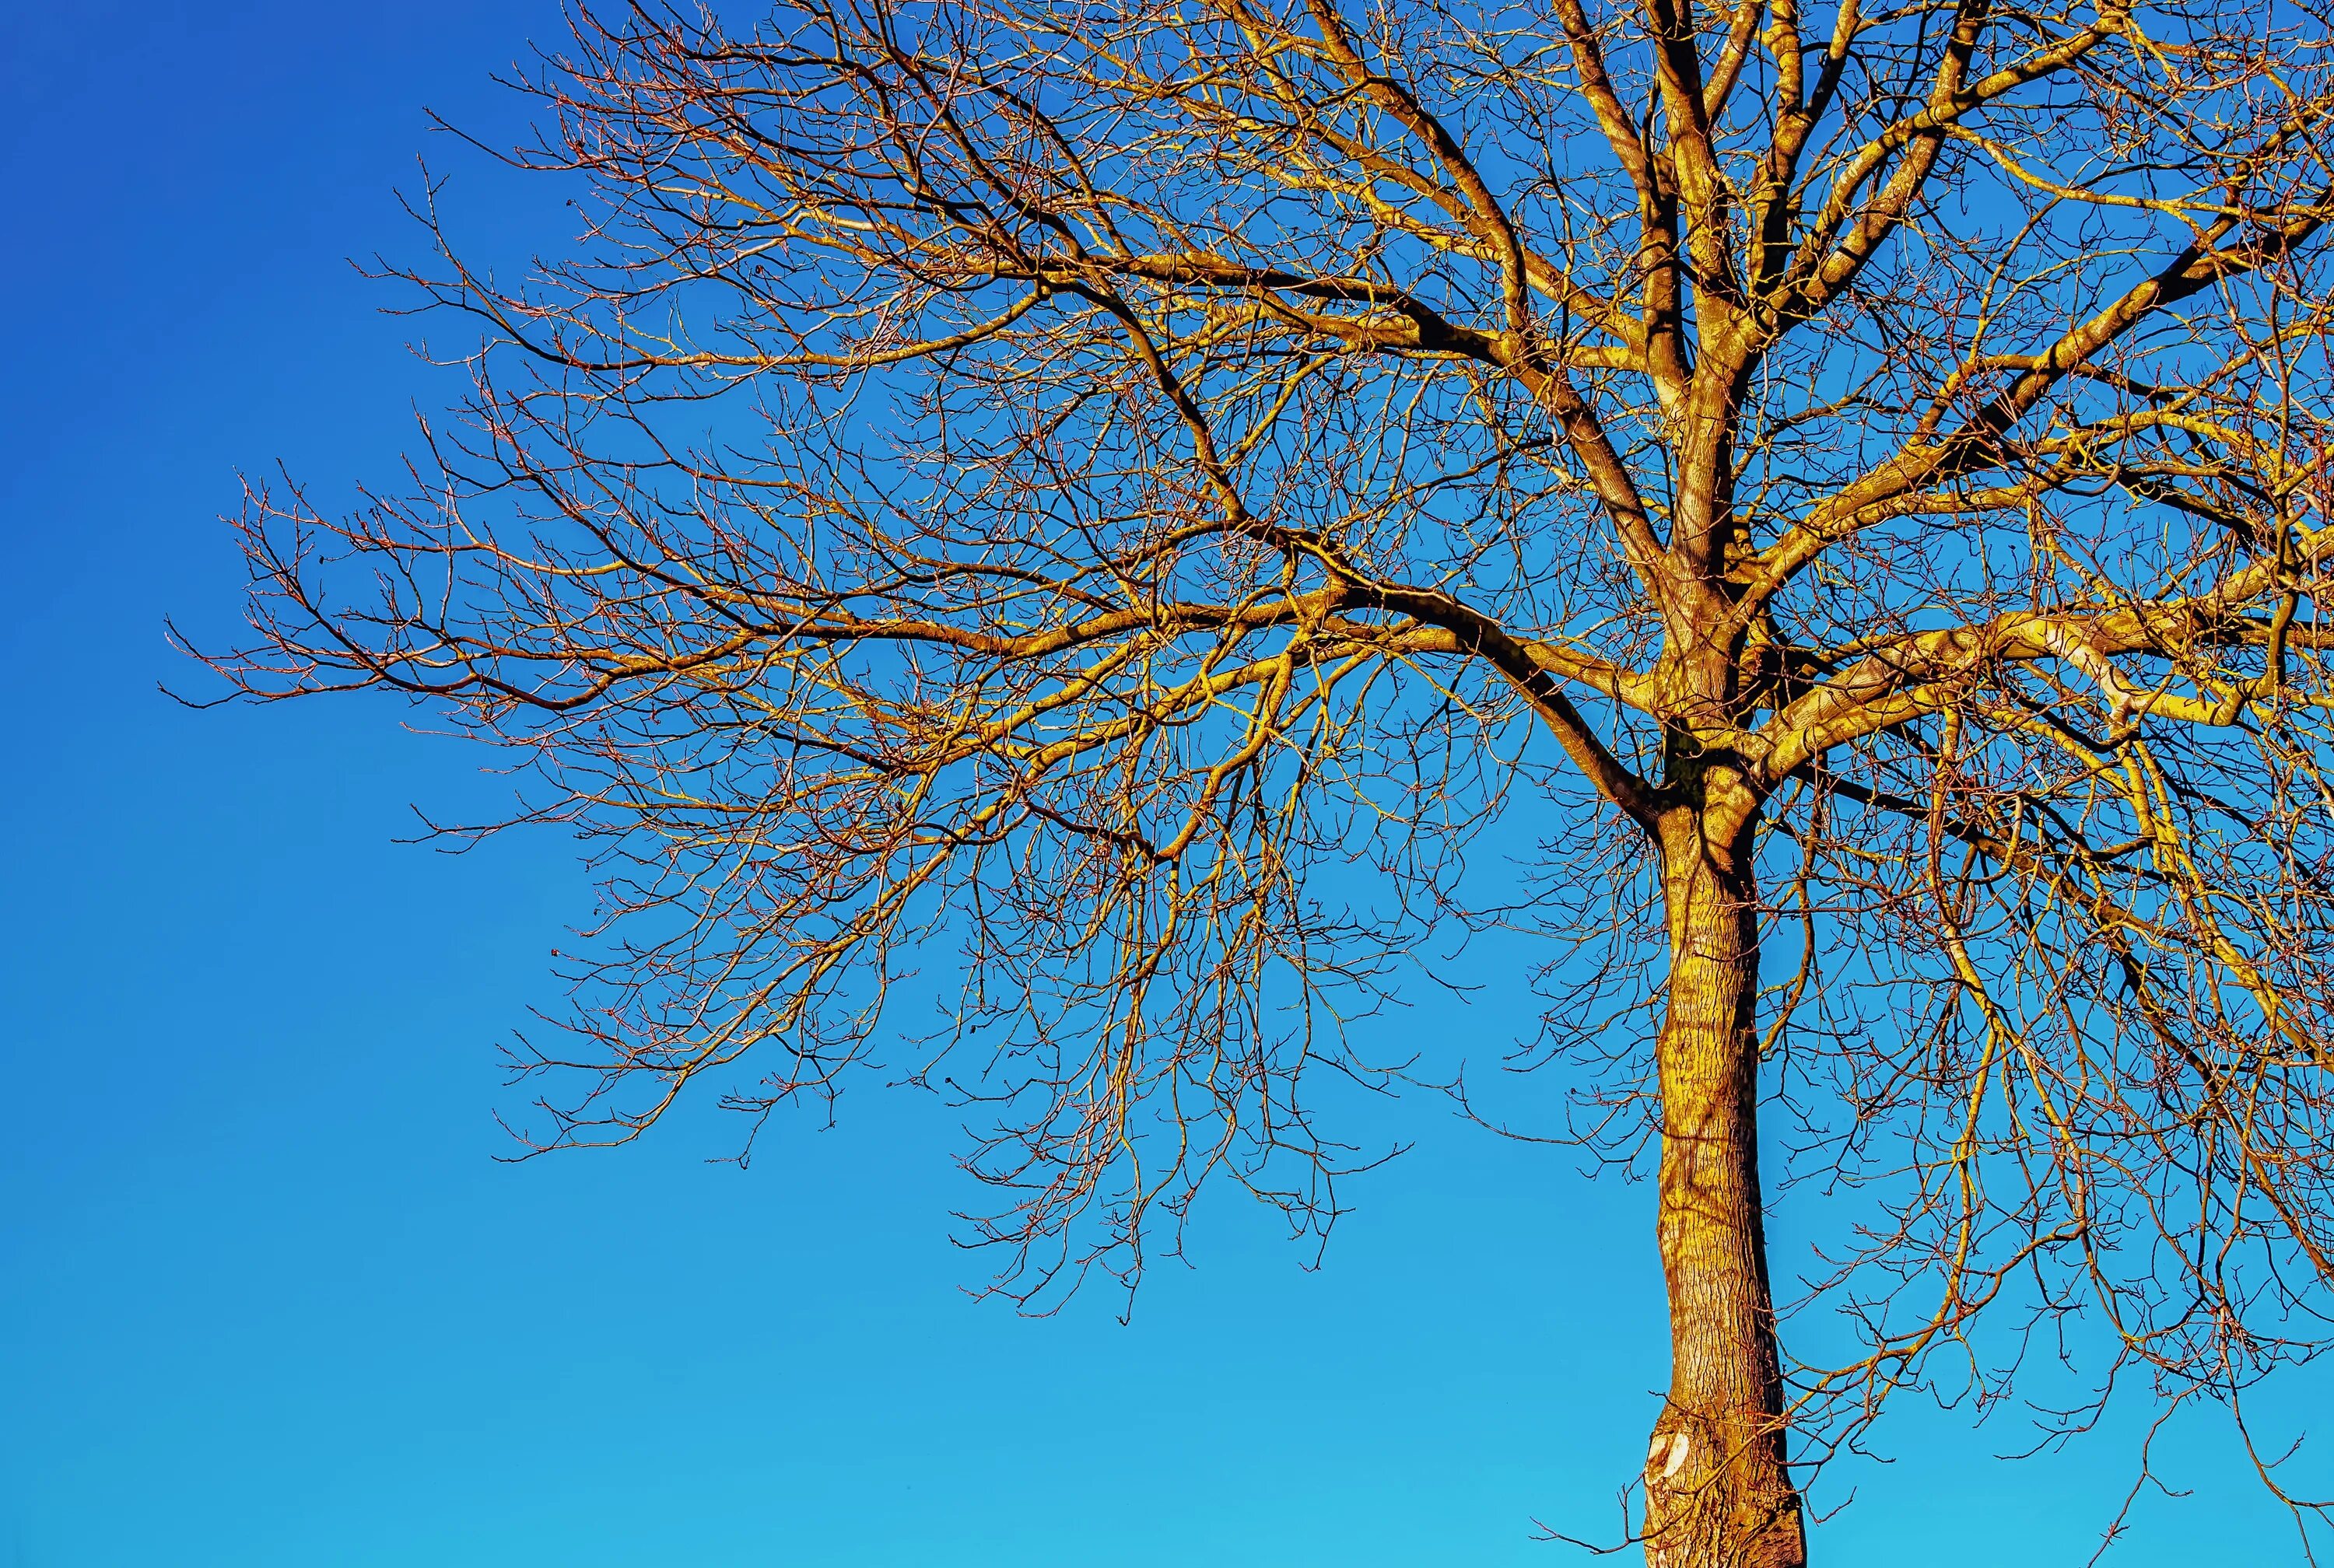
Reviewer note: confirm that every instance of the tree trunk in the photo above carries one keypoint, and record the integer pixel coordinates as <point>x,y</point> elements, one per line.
<point>1718,1492</point>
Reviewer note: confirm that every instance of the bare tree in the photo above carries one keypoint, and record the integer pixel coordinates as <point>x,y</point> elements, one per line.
<point>1136,490</point>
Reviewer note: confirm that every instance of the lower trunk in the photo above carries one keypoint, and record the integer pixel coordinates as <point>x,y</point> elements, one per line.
<point>1718,1491</point>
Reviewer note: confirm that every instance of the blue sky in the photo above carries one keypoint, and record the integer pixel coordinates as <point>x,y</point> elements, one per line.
<point>267,1298</point>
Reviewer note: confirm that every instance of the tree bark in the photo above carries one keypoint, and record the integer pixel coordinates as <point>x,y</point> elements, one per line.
<point>1717,1488</point>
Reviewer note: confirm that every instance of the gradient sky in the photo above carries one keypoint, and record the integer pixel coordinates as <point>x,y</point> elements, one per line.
<point>267,1298</point>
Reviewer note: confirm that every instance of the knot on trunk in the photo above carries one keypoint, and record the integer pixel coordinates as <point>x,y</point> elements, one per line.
<point>1717,1494</point>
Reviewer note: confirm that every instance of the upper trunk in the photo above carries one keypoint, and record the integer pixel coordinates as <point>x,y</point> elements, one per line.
<point>1718,1492</point>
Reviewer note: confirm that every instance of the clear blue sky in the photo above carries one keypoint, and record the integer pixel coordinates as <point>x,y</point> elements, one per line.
<point>267,1298</point>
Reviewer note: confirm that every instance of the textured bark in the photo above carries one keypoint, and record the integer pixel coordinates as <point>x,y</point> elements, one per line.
<point>1718,1489</point>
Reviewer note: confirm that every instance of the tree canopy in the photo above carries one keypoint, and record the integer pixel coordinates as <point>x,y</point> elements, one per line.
<point>1148,498</point>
